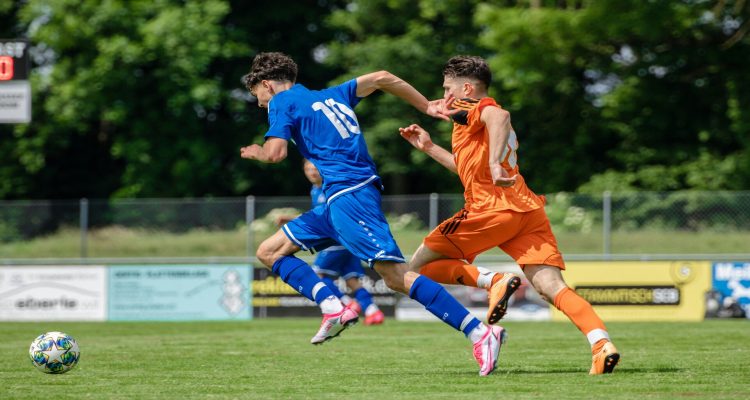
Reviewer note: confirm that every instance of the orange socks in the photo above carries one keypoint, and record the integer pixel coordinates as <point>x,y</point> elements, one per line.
<point>583,316</point>
<point>458,272</point>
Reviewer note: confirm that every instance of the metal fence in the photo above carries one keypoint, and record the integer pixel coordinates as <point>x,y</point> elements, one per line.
<point>605,226</point>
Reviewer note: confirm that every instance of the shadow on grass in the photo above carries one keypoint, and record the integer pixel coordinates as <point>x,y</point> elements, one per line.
<point>522,371</point>
<point>577,371</point>
<point>662,369</point>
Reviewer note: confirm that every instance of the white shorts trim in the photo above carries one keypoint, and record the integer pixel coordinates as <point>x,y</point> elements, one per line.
<point>355,187</point>
<point>294,239</point>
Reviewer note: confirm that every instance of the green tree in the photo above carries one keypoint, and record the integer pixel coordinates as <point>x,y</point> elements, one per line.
<point>143,98</point>
<point>604,94</point>
<point>124,99</point>
<point>412,39</point>
<point>680,107</point>
<point>540,65</point>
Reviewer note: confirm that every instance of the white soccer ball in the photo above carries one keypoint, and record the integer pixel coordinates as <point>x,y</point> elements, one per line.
<point>54,352</point>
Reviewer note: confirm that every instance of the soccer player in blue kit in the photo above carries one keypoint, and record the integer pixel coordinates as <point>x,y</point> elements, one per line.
<point>336,261</point>
<point>324,127</point>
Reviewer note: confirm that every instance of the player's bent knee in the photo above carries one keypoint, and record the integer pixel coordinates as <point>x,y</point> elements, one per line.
<point>265,255</point>
<point>394,276</point>
<point>268,252</point>
<point>547,280</point>
<point>275,247</point>
<point>395,284</point>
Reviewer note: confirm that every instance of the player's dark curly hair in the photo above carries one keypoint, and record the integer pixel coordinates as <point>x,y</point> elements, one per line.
<point>270,66</point>
<point>468,67</point>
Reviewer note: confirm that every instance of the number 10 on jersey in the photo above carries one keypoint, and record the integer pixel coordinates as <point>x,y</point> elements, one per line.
<point>337,113</point>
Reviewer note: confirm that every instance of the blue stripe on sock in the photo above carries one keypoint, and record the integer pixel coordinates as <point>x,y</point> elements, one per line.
<point>301,277</point>
<point>440,303</point>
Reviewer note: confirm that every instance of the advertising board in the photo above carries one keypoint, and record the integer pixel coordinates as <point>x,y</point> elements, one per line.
<point>53,293</point>
<point>641,290</point>
<point>732,281</point>
<point>179,292</point>
<point>274,298</point>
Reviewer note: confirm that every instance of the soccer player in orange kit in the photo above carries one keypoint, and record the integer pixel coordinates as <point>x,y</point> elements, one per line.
<point>500,209</point>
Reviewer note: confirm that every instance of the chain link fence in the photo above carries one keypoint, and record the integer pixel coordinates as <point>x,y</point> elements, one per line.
<point>587,226</point>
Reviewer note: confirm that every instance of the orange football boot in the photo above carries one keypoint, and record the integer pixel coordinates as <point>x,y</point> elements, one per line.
<point>605,360</point>
<point>499,294</point>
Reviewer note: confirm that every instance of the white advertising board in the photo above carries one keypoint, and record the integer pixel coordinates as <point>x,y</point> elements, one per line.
<point>15,102</point>
<point>53,293</point>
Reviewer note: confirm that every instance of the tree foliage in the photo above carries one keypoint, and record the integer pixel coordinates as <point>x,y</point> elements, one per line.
<point>142,98</point>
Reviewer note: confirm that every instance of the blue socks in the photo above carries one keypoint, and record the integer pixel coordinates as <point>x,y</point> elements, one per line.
<point>297,274</point>
<point>364,298</point>
<point>332,285</point>
<point>441,304</point>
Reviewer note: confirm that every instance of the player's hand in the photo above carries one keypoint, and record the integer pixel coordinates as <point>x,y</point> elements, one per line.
<point>417,136</point>
<point>250,152</point>
<point>442,109</point>
<point>500,176</point>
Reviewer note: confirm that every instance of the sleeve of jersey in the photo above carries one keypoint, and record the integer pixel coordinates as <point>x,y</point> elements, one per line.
<point>487,101</point>
<point>348,92</point>
<point>279,120</point>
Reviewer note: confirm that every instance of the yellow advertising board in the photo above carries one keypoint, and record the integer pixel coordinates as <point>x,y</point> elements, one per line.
<point>641,290</point>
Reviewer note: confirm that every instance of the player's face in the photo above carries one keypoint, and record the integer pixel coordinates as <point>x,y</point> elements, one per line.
<point>457,88</point>
<point>312,173</point>
<point>262,91</point>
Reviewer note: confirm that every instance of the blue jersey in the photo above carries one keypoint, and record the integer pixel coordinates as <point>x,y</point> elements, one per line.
<point>324,127</point>
<point>317,196</point>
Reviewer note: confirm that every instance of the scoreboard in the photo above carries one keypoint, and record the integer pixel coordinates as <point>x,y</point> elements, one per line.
<point>15,90</point>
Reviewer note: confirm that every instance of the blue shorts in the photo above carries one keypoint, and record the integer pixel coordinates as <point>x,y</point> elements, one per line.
<point>354,220</point>
<point>337,261</point>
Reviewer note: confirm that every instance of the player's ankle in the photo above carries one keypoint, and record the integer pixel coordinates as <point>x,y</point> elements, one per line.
<point>477,333</point>
<point>331,305</point>
<point>597,347</point>
<point>496,278</point>
<point>487,278</point>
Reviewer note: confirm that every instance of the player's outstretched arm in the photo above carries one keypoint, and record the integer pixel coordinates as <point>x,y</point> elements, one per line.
<point>387,82</point>
<point>272,151</point>
<point>420,138</point>
<point>497,122</point>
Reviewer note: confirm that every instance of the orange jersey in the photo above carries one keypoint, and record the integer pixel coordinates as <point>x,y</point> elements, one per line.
<point>471,151</point>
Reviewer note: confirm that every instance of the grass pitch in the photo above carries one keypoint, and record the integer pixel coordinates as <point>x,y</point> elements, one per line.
<point>272,359</point>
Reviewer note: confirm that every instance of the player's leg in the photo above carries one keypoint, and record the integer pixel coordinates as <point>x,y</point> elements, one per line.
<point>277,252</point>
<point>535,249</point>
<point>461,238</point>
<point>328,267</point>
<point>487,340</point>
<point>352,273</point>
<point>309,231</point>
<point>330,281</point>
<point>363,230</point>
<point>451,271</point>
<point>548,281</point>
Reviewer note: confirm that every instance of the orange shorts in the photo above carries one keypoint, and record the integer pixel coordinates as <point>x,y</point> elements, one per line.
<point>525,236</point>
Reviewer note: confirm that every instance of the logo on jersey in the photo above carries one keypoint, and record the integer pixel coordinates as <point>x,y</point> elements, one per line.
<point>466,104</point>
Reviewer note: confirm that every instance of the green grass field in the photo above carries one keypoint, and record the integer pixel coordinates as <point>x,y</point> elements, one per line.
<point>272,359</point>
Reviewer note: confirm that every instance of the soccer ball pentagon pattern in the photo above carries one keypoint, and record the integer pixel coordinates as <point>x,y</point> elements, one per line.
<point>54,352</point>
